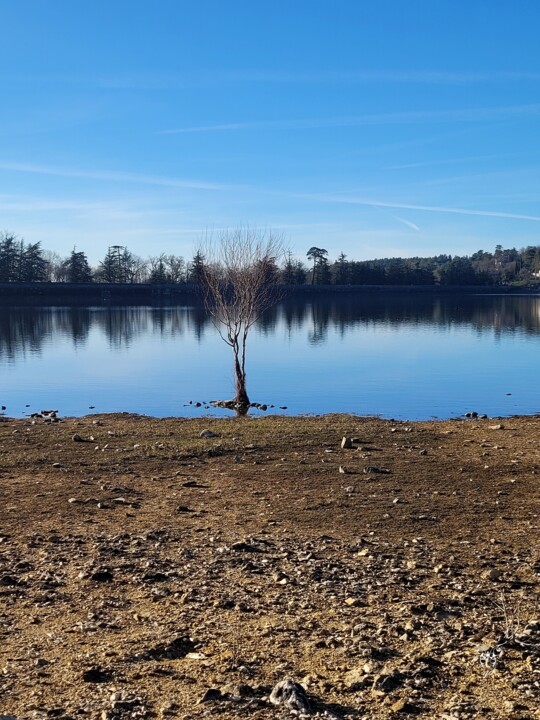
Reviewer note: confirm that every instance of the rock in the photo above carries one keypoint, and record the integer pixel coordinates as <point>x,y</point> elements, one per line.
<point>386,682</point>
<point>346,443</point>
<point>403,706</point>
<point>356,679</point>
<point>500,426</point>
<point>239,690</point>
<point>208,434</point>
<point>124,705</point>
<point>211,695</point>
<point>241,546</point>
<point>175,649</point>
<point>96,675</point>
<point>291,695</point>
<point>77,438</point>
<point>168,708</point>
<point>102,576</point>
<point>57,465</point>
<point>492,574</point>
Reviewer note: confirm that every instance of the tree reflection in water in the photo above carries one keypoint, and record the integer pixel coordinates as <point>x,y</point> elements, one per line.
<point>25,330</point>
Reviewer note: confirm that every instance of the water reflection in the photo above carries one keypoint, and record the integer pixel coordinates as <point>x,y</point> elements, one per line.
<point>401,355</point>
<point>344,313</point>
<point>25,330</point>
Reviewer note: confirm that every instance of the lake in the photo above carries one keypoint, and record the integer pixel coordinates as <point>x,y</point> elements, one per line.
<point>406,356</point>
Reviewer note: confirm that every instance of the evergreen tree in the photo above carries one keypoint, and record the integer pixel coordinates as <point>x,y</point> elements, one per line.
<point>9,257</point>
<point>77,268</point>
<point>196,269</point>
<point>158,271</point>
<point>321,271</point>
<point>341,270</point>
<point>294,272</point>
<point>33,267</point>
<point>111,267</point>
<point>287,275</point>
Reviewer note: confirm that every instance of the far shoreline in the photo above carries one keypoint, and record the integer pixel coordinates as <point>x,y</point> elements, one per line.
<point>77,294</point>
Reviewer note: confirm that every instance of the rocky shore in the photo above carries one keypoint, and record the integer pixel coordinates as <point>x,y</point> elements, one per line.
<point>269,567</point>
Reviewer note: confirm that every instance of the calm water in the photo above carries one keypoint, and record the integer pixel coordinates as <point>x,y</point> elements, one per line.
<point>403,356</point>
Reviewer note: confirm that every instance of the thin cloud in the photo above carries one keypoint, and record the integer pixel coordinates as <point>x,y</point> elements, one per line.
<point>212,77</point>
<point>10,204</point>
<point>408,223</point>
<point>461,115</point>
<point>430,77</point>
<point>215,128</point>
<point>349,200</point>
<point>113,176</point>
<point>198,185</point>
<point>451,161</point>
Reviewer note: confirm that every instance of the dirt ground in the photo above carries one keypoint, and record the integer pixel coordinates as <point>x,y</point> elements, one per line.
<point>149,571</point>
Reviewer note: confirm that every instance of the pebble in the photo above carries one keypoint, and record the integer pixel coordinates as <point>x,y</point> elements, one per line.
<point>403,706</point>
<point>211,695</point>
<point>426,607</point>
<point>291,695</point>
<point>492,574</point>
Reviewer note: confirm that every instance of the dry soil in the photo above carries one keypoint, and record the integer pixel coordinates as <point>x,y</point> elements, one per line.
<point>149,571</point>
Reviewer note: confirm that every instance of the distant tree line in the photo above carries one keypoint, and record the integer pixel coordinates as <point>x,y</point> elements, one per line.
<point>502,267</point>
<point>27,262</point>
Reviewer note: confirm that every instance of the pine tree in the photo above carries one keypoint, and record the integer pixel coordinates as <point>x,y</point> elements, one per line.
<point>9,257</point>
<point>196,270</point>
<point>78,269</point>
<point>32,266</point>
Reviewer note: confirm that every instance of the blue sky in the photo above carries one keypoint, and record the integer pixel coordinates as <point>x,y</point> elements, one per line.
<point>374,128</point>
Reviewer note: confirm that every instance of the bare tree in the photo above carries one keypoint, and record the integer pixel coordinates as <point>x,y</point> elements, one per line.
<point>176,268</point>
<point>238,281</point>
<point>56,266</point>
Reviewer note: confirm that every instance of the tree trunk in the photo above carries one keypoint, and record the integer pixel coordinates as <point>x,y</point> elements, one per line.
<point>240,375</point>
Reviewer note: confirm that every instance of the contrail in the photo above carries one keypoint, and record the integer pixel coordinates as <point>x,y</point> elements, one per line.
<point>427,208</point>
